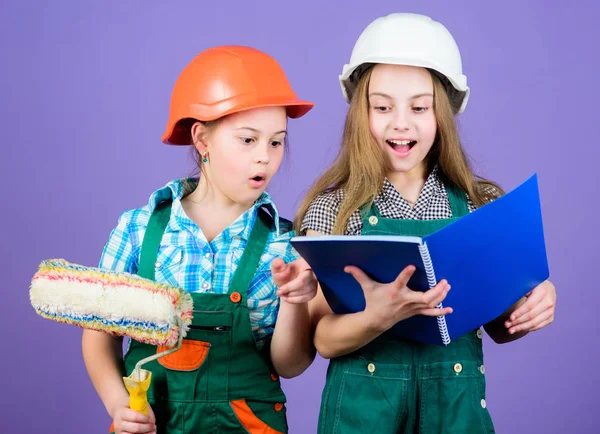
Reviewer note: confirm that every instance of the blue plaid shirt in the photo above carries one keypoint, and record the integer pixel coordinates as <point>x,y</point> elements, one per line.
<point>186,259</point>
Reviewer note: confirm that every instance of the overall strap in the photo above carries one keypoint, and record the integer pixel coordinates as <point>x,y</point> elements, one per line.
<point>244,273</point>
<point>458,200</point>
<point>151,243</point>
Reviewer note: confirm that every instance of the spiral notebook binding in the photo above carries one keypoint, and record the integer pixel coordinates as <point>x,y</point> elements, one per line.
<point>432,281</point>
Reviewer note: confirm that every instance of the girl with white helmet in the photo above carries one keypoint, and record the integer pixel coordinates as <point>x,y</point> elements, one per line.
<point>402,170</point>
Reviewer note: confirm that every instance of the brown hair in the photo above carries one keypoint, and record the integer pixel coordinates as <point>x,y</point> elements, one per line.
<point>186,125</point>
<point>360,166</point>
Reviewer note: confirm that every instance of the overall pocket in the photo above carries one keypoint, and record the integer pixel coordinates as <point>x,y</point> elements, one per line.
<point>365,397</point>
<point>189,357</point>
<point>198,371</point>
<point>452,396</point>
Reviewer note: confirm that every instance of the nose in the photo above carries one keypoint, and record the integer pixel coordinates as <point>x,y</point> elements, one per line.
<point>401,120</point>
<point>261,155</point>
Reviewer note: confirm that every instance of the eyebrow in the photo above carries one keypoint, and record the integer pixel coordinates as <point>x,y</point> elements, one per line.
<point>254,130</point>
<point>419,95</point>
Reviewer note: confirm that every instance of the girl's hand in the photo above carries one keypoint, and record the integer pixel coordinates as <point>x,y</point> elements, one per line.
<point>537,311</point>
<point>387,304</point>
<point>128,421</point>
<point>296,281</point>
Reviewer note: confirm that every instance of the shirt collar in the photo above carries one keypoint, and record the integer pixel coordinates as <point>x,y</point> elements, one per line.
<point>432,184</point>
<point>179,188</point>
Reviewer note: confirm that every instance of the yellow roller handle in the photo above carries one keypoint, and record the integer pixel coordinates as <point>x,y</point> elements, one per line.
<point>138,388</point>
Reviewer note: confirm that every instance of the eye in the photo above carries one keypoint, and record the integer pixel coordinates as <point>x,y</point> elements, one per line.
<point>382,108</point>
<point>276,143</point>
<point>247,140</point>
<point>420,109</point>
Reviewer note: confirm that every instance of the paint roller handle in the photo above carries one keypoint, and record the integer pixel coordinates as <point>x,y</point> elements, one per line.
<point>138,383</point>
<point>138,388</point>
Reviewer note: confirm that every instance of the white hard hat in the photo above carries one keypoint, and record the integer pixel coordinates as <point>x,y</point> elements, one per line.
<point>408,39</point>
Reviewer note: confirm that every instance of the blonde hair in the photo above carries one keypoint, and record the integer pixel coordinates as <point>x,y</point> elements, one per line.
<point>360,166</point>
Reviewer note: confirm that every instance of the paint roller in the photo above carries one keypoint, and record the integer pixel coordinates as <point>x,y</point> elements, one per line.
<point>118,303</point>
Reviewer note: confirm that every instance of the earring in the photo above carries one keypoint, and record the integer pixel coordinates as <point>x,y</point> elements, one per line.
<point>205,157</point>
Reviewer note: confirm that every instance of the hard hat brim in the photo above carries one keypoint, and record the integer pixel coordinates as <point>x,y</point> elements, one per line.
<point>295,108</point>
<point>462,90</point>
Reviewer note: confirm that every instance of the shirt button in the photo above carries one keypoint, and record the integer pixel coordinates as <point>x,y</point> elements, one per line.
<point>482,369</point>
<point>206,285</point>
<point>371,368</point>
<point>479,333</point>
<point>158,264</point>
<point>373,220</point>
<point>483,404</point>
<point>207,255</point>
<point>458,368</point>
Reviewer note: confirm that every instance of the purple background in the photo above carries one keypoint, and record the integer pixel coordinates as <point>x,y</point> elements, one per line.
<point>85,93</point>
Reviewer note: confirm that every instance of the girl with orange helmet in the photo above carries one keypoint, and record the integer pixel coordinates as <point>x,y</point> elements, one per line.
<point>219,237</point>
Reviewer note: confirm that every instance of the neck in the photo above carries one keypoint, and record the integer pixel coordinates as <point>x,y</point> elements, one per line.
<point>212,210</point>
<point>409,184</point>
<point>207,194</point>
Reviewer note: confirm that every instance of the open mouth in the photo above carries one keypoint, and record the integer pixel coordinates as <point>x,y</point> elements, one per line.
<point>258,181</point>
<point>401,145</point>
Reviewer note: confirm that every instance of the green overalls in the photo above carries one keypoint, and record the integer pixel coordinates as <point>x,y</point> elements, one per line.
<point>393,385</point>
<point>218,382</point>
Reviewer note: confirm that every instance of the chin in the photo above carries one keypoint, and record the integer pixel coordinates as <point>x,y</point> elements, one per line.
<point>250,198</point>
<point>402,167</point>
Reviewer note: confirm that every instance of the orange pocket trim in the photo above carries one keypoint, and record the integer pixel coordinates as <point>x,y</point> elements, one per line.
<point>249,420</point>
<point>189,357</point>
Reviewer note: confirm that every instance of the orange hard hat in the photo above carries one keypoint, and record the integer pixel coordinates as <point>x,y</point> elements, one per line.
<point>225,80</point>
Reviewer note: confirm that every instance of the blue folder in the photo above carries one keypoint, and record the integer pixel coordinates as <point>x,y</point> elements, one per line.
<point>491,257</point>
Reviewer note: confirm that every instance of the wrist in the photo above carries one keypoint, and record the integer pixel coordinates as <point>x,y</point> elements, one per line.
<point>116,402</point>
<point>292,310</point>
<point>292,306</point>
<point>372,323</point>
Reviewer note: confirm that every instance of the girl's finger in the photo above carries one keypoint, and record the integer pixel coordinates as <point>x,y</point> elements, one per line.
<point>135,428</point>
<point>434,311</point>
<point>292,287</point>
<point>280,271</point>
<point>530,314</point>
<point>363,280</point>
<point>543,324</point>
<point>404,276</point>
<point>299,299</point>
<point>531,324</point>
<point>532,300</point>
<point>436,295</point>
